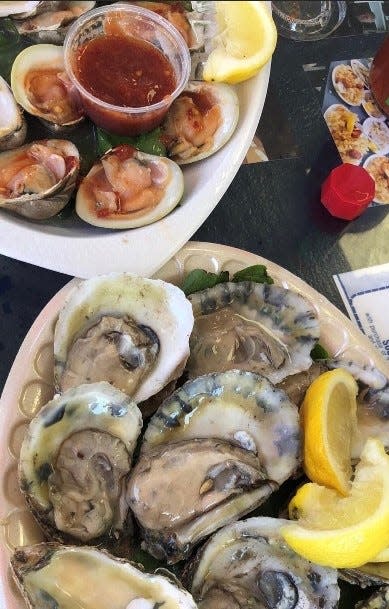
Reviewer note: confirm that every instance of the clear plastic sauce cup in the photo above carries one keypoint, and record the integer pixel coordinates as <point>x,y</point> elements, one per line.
<point>145,26</point>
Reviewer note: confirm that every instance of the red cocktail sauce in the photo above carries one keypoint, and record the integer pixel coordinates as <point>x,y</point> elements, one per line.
<point>126,72</point>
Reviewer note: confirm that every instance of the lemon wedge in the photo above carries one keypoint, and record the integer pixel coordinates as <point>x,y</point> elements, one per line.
<point>381,556</point>
<point>344,532</point>
<point>329,422</point>
<point>245,41</point>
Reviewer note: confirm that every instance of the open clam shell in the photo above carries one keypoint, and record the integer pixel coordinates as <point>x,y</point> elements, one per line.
<point>50,575</point>
<point>37,180</point>
<point>13,127</point>
<point>200,121</point>
<point>40,85</point>
<point>128,188</point>
<point>74,459</point>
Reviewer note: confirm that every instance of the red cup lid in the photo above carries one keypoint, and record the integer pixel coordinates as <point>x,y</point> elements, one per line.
<point>347,191</point>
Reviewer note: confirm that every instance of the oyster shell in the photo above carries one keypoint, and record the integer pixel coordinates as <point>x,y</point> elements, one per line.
<point>74,460</point>
<point>247,564</point>
<point>259,327</point>
<point>378,600</point>
<point>19,9</point>
<point>128,188</point>
<point>200,121</point>
<point>234,436</point>
<point>40,85</point>
<point>139,328</point>
<point>13,127</point>
<point>66,577</point>
<point>52,25</point>
<point>37,180</point>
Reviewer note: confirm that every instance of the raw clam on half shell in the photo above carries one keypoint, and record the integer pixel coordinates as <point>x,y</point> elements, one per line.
<point>74,461</point>
<point>128,188</point>
<point>37,180</point>
<point>200,121</point>
<point>127,330</point>
<point>67,577</point>
<point>13,127</point>
<point>40,85</point>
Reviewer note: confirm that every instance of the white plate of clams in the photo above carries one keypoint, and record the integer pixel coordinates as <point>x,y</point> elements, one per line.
<point>68,244</point>
<point>210,421</point>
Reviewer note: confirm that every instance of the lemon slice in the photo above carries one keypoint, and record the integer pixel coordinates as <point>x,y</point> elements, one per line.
<point>381,556</point>
<point>245,41</point>
<point>329,421</point>
<point>344,532</point>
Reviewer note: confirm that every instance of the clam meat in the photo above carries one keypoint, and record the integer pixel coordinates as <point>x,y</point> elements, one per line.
<point>37,180</point>
<point>66,577</point>
<point>128,188</point>
<point>259,327</point>
<point>127,330</point>
<point>200,121</point>
<point>40,85</point>
<point>247,564</point>
<point>74,461</point>
<point>13,127</point>
<point>234,436</point>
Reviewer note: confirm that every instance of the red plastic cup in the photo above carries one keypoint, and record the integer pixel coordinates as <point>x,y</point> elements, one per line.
<point>347,191</point>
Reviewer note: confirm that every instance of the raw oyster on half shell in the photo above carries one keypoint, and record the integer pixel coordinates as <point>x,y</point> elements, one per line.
<point>213,452</point>
<point>20,8</point>
<point>128,188</point>
<point>127,330</point>
<point>67,577</point>
<point>13,127</point>
<point>74,461</point>
<point>52,25</point>
<point>40,85</point>
<point>259,327</point>
<point>37,180</point>
<point>200,121</point>
<point>248,564</point>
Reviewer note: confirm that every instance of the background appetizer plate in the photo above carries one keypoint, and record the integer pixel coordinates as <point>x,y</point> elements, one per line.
<point>30,381</point>
<point>76,248</point>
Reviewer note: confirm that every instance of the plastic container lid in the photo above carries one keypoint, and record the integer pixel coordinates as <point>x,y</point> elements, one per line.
<point>348,191</point>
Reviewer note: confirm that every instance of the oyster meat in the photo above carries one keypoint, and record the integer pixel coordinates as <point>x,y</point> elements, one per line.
<point>128,188</point>
<point>259,327</point>
<point>67,577</point>
<point>74,461</point>
<point>127,330</point>
<point>51,26</point>
<point>234,436</point>
<point>248,564</point>
<point>200,121</point>
<point>40,85</point>
<point>378,600</point>
<point>13,127</point>
<point>37,180</point>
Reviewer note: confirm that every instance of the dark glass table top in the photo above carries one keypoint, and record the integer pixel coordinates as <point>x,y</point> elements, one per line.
<point>271,208</point>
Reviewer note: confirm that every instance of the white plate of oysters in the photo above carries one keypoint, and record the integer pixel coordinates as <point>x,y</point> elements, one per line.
<point>65,242</point>
<point>234,434</point>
